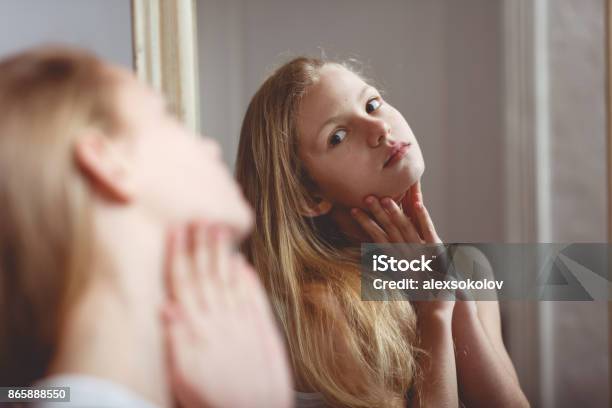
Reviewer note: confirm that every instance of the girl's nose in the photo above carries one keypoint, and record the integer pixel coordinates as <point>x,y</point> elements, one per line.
<point>377,131</point>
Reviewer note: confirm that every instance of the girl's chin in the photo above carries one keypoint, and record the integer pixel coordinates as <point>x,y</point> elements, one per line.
<point>408,179</point>
<point>415,171</point>
<point>403,188</point>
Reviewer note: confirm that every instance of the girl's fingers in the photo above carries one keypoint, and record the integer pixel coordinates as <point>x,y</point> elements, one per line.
<point>245,284</point>
<point>216,274</point>
<point>412,196</point>
<point>221,255</point>
<point>426,224</point>
<point>254,291</point>
<point>202,253</point>
<point>369,226</point>
<point>415,192</point>
<point>407,207</point>
<point>177,268</point>
<point>203,267</point>
<point>177,339</point>
<point>170,278</point>
<point>409,203</point>
<point>383,219</point>
<point>184,274</point>
<point>226,266</point>
<point>405,225</point>
<point>242,287</point>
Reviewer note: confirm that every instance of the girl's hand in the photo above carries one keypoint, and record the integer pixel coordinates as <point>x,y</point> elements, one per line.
<point>413,225</point>
<point>224,349</point>
<point>392,225</point>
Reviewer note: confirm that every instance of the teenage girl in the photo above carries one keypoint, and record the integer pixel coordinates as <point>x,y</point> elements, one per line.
<point>328,164</point>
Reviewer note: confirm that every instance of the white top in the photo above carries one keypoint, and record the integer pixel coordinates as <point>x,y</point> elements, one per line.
<point>92,392</point>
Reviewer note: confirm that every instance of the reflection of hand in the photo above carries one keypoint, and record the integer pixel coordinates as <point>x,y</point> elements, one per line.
<point>392,225</point>
<point>410,224</point>
<point>223,347</point>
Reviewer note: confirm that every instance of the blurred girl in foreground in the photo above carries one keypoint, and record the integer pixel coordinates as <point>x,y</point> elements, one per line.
<point>93,174</point>
<point>328,164</point>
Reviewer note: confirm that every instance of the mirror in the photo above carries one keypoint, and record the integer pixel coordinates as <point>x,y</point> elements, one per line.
<point>508,101</point>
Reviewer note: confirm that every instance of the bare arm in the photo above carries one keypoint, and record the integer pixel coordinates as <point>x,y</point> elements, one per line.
<point>486,376</point>
<point>489,317</point>
<point>437,386</point>
<point>484,366</point>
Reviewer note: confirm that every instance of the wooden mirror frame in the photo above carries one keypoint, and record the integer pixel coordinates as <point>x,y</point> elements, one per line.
<point>164,38</point>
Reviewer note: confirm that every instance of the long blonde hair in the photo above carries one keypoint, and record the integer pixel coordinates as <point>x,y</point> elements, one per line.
<point>48,96</point>
<point>306,267</point>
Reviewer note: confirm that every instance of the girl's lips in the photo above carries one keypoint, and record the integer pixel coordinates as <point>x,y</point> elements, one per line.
<point>396,154</point>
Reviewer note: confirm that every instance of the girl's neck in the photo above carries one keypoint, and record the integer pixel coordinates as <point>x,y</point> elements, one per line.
<point>354,234</point>
<point>114,331</point>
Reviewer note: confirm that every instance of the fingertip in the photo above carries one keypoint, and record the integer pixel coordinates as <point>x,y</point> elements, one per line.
<point>173,238</point>
<point>168,313</point>
<point>221,236</point>
<point>201,223</point>
<point>170,243</point>
<point>200,231</point>
<point>171,234</point>
<point>180,238</point>
<point>212,232</point>
<point>191,233</point>
<point>415,190</point>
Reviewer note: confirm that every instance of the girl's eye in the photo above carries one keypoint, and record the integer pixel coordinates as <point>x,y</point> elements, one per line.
<point>337,137</point>
<point>372,105</point>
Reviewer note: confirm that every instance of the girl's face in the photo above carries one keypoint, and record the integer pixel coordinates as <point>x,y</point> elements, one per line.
<point>176,175</point>
<point>353,143</point>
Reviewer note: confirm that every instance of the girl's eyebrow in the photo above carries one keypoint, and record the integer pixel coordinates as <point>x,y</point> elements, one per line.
<point>327,122</point>
<point>363,91</point>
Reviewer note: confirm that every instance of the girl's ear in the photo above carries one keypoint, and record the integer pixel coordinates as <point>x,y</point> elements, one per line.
<point>319,206</point>
<point>105,166</point>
